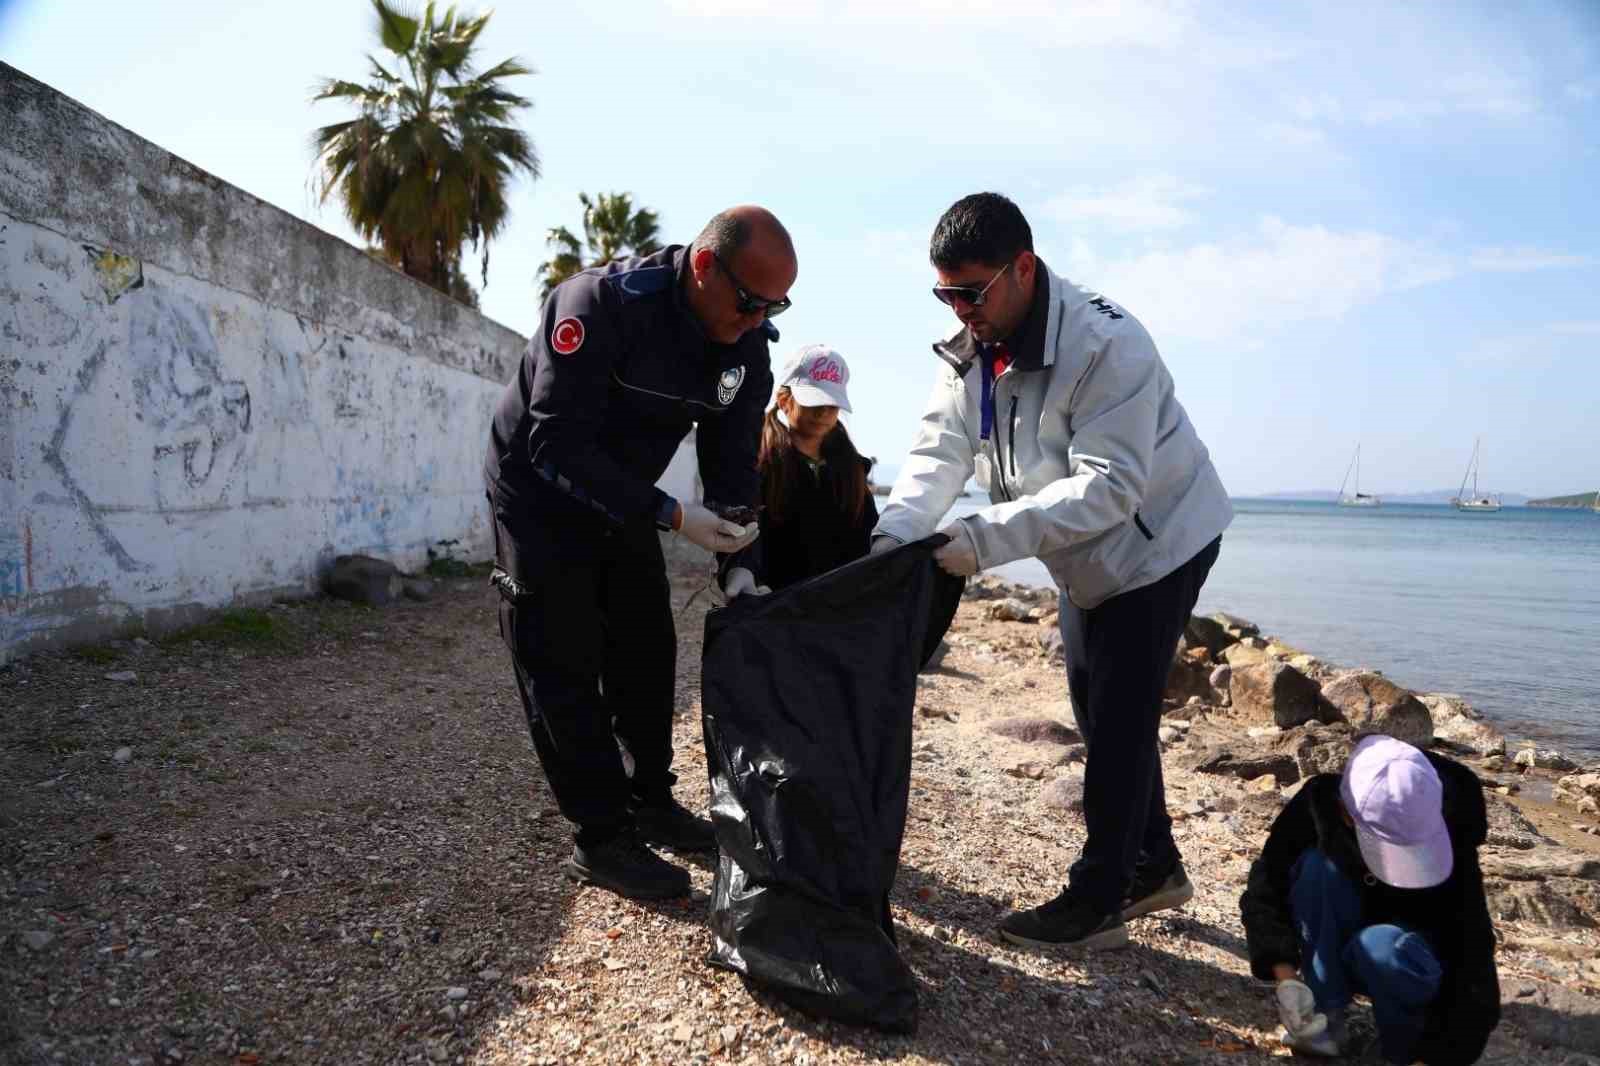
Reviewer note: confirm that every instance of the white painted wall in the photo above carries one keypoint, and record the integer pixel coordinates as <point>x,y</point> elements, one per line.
<point>205,399</point>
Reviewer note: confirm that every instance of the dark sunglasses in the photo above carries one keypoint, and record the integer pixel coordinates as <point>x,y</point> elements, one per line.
<point>748,302</point>
<point>968,294</point>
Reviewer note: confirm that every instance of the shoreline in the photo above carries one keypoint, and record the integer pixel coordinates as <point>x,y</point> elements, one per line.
<point>326,838</point>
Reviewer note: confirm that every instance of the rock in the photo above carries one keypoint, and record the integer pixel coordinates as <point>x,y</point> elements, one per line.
<point>122,755</point>
<point>1317,750</point>
<point>1220,677</point>
<point>1208,633</point>
<point>1187,678</point>
<point>1549,863</point>
<point>1236,626</point>
<point>1455,722</point>
<point>123,676</point>
<point>1282,651</point>
<point>1578,789</point>
<point>37,939</point>
<point>1035,730</point>
<point>489,975</point>
<point>1371,703</point>
<point>418,588</point>
<point>1065,793</point>
<point>1552,1013</point>
<point>363,579</point>
<point>1242,654</point>
<point>1280,694</point>
<point>1547,903</point>
<point>1031,771</point>
<point>1010,610</point>
<point>937,657</point>
<point>1073,753</point>
<point>1544,759</point>
<point>1508,828</point>
<point>1051,644</point>
<point>1166,734</point>
<point>1494,763</point>
<point>1264,783</point>
<point>456,992</point>
<point>1247,764</point>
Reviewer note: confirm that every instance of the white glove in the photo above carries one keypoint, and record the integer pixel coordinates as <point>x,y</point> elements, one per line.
<point>1297,1009</point>
<point>882,543</point>
<point>960,556</point>
<point>741,581</point>
<point>702,526</point>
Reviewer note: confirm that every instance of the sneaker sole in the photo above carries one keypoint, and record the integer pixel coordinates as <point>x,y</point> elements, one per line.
<point>1160,901</point>
<point>583,875</point>
<point>1105,940</point>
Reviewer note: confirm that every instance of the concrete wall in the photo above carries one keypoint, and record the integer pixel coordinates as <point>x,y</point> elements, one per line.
<point>203,397</point>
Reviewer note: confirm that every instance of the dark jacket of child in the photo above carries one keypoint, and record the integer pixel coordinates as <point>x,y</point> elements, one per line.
<point>1453,916</point>
<point>814,535</point>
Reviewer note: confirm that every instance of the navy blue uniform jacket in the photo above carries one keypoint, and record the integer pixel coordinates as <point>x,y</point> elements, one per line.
<point>616,376</point>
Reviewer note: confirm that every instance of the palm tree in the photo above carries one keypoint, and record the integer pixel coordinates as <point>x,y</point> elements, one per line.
<point>611,229</point>
<point>427,163</point>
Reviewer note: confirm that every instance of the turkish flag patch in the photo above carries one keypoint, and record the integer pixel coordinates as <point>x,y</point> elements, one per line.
<point>567,337</point>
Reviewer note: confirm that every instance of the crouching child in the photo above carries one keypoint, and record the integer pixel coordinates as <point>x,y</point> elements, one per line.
<point>1369,883</point>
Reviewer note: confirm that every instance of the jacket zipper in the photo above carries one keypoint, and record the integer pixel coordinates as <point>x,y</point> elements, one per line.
<point>1011,444</point>
<point>999,454</point>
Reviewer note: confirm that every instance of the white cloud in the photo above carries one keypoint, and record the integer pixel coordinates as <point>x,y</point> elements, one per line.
<point>1522,259</point>
<point>1484,94</point>
<point>1147,202</point>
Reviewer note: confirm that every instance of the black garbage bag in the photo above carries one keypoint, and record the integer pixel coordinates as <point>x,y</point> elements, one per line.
<point>807,703</point>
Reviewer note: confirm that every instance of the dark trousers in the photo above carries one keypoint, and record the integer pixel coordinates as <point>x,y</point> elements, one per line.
<point>1118,658</point>
<point>1396,967</point>
<point>595,654</point>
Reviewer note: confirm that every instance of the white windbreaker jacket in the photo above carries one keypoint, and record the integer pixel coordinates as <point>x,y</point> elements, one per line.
<point>1092,464</point>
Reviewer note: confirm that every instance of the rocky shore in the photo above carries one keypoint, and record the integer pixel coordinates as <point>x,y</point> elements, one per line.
<point>317,833</point>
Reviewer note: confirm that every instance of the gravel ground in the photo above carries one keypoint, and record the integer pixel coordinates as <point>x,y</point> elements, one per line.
<point>319,834</point>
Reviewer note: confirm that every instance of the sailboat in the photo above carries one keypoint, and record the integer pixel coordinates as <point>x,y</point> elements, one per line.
<point>1358,498</point>
<point>1481,503</point>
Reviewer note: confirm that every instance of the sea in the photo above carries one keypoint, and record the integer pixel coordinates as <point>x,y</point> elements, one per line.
<point>1503,608</point>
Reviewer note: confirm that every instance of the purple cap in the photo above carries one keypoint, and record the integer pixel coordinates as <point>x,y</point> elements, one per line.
<point>1395,798</point>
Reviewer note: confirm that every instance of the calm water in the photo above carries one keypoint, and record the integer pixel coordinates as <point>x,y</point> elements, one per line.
<point>1501,608</point>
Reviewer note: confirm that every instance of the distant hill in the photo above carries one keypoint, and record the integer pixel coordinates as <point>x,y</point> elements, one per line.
<point>1581,501</point>
<point>1436,496</point>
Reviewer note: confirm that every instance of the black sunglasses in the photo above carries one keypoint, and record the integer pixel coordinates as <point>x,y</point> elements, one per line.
<point>970,294</point>
<point>748,302</point>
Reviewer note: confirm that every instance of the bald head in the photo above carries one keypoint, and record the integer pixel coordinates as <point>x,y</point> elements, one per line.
<point>744,247</point>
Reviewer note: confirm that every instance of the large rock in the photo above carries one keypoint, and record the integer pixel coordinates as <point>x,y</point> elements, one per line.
<point>1581,791</point>
<point>1457,724</point>
<point>1242,654</point>
<point>1553,1014</point>
<point>1317,748</point>
<point>363,579</point>
<point>1558,904</point>
<point>1544,759</point>
<point>1051,645</point>
<point>1065,793</point>
<point>1275,692</point>
<point>1011,609</point>
<point>1508,828</point>
<point>1247,764</point>
<point>1371,703</point>
<point>1188,677</point>
<point>1035,729</point>
<point>1235,625</point>
<point>1548,863</point>
<point>1208,633</point>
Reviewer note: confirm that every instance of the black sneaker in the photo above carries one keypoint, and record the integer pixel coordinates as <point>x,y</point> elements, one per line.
<point>625,866</point>
<point>1156,892</point>
<point>1065,922</point>
<point>669,823</point>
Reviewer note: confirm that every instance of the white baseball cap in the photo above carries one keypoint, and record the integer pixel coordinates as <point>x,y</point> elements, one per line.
<point>817,376</point>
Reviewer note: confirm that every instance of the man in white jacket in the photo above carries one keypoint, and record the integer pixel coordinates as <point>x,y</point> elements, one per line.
<point>1055,398</point>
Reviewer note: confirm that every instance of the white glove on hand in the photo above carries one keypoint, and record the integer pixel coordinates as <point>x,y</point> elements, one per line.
<point>1297,1009</point>
<point>882,543</point>
<point>960,556</point>
<point>741,581</point>
<point>703,526</point>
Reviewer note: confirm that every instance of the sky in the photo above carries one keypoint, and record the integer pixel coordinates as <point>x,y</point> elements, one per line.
<point>1342,223</point>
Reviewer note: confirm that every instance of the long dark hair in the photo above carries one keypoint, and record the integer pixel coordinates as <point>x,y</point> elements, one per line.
<point>782,465</point>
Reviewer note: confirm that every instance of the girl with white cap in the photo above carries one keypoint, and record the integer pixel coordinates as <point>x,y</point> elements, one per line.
<point>818,511</point>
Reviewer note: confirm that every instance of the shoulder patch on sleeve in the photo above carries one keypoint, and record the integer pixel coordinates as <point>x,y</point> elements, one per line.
<point>630,285</point>
<point>566,336</point>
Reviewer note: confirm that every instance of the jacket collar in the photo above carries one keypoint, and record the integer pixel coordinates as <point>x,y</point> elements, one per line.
<point>1031,352</point>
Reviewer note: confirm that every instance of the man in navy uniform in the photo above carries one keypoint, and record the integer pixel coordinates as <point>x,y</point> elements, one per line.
<point>629,357</point>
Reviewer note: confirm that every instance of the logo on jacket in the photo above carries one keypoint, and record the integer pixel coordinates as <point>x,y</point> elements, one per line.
<point>728,385</point>
<point>567,337</point>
